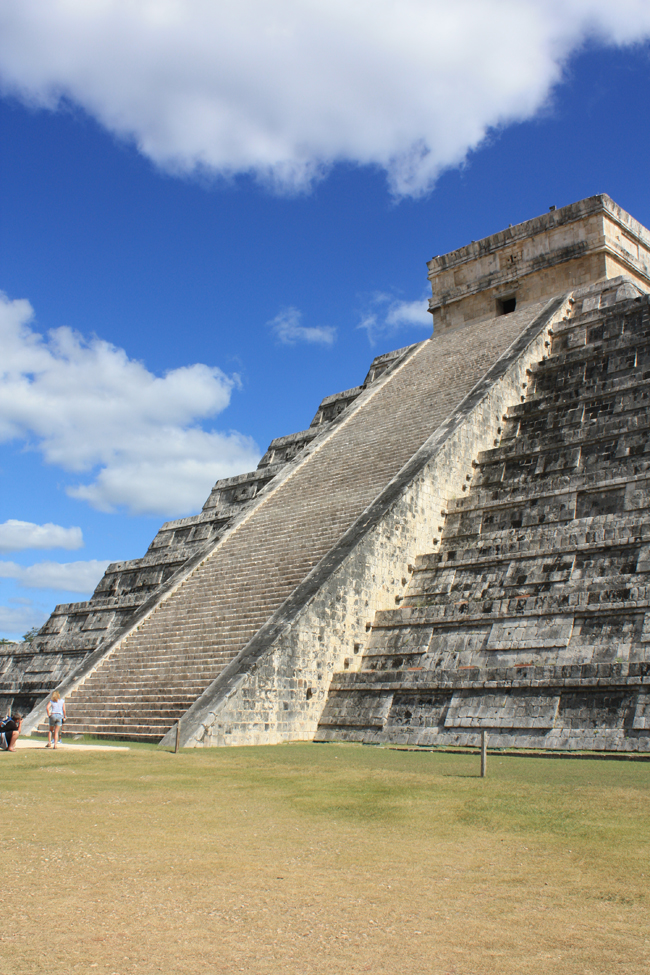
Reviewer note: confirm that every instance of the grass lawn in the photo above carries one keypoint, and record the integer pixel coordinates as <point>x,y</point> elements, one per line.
<point>322,859</point>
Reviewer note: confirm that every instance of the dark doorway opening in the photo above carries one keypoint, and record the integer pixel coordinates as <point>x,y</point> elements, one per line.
<point>505,306</point>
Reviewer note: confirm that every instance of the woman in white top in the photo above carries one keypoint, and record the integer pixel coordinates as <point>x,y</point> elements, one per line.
<point>56,713</point>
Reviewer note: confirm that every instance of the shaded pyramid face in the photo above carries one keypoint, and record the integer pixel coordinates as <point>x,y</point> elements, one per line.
<point>532,620</point>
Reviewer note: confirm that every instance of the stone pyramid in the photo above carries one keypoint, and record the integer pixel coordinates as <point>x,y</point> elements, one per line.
<point>301,601</point>
<point>531,619</point>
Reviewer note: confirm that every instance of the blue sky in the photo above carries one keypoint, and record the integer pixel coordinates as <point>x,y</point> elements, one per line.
<point>179,289</point>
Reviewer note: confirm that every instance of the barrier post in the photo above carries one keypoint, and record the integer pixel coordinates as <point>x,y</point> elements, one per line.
<point>484,740</point>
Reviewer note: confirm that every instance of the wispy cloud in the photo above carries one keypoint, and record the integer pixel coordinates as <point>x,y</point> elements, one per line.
<point>284,90</point>
<point>401,313</point>
<point>287,329</point>
<point>90,409</point>
<point>79,577</point>
<point>385,314</point>
<point>15,536</point>
<point>20,616</point>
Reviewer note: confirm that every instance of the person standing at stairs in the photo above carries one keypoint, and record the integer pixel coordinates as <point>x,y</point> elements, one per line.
<point>56,714</point>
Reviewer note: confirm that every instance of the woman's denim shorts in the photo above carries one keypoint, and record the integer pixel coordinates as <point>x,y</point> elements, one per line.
<point>55,719</point>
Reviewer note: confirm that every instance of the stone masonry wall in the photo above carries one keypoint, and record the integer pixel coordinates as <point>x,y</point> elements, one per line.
<point>27,675</point>
<point>576,245</point>
<point>531,618</point>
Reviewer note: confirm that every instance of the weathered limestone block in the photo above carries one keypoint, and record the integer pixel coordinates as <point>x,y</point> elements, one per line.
<point>542,632</point>
<point>506,710</point>
<point>641,720</point>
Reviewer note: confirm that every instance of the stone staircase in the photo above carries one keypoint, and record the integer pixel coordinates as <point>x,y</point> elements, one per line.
<point>532,620</point>
<point>142,701</point>
<point>78,628</point>
<point>150,676</point>
<point>74,631</point>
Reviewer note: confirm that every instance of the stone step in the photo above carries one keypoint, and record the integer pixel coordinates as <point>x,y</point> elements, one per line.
<point>115,724</point>
<point>145,737</point>
<point>633,673</point>
<point>578,397</point>
<point>604,360</point>
<point>150,702</point>
<point>163,681</point>
<point>125,690</point>
<point>527,481</point>
<point>601,351</point>
<point>585,381</point>
<point>576,388</point>
<point>134,732</point>
<point>620,427</point>
<point>515,551</point>
<point>150,692</point>
<point>104,713</point>
<point>603,532</point>
<point>624,455</point>
<point>543,487</point>
<point>626,400</point>
<point>596,338</point>
<point>547,582</point>
<point>465,609</point>
<point>169,670</point>
<point>157,675</point>
<point>491,524</point>
<point>634,322</point>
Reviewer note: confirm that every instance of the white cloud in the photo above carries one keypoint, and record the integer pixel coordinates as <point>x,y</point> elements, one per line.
<point>17,619</point>
<point>386,314</point>
<point>288,330</point>
<point>18,535</point>
<point>79,577</point>
<point>284,89</point>
<point>88,408</point>
<point>409,313</point>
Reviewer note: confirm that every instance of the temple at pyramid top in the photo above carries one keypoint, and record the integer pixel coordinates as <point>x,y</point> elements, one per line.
<point>564,249</point>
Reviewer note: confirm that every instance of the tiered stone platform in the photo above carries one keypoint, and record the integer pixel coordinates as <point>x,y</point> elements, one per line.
<point>511,447</point>
<point>532,618</point>
<point>127,586</point>
<point>29,672</point>
<point>152,675</point>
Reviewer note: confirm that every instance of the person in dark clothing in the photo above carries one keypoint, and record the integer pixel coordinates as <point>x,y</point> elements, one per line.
<point>9,731</point>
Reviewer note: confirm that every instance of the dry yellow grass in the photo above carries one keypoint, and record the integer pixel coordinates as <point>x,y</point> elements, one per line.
<point>315,859</point>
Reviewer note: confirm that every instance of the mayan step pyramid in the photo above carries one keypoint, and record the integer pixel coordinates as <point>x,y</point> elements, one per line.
<point>302,602</point>
<point>531,619</point>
